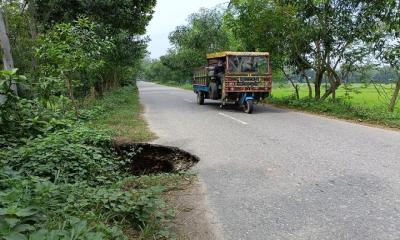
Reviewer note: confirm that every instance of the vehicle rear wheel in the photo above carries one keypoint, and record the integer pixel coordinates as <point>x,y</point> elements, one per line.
<point>213,91</point>
<point>248,106</point>
<point>200,98</point>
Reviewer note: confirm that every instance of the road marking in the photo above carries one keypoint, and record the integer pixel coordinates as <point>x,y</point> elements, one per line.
<point>234,119</point>
<point>187,100</point>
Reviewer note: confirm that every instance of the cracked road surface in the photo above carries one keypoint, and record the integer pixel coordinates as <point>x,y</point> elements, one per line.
<point>279,174</point>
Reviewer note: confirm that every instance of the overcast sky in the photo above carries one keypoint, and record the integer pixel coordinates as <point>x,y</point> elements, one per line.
<point>169,14</point>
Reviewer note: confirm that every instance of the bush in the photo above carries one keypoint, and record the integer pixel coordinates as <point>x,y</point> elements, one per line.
<point>35,207</point>
<point>72,155</point>
<point>66,181</point>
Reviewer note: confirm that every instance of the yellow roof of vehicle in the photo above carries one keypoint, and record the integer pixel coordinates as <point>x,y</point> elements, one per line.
<point>224,54</point>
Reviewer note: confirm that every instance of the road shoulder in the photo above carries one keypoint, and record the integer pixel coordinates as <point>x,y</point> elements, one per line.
<point>193,219</point>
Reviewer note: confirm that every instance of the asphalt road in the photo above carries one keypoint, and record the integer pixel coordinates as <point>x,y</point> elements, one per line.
<point>279,174</point>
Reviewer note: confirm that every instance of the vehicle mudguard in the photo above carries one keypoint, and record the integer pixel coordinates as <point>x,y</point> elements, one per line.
<point>246,97</point>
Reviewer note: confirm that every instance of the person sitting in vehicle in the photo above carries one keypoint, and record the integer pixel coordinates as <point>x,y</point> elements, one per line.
<point>248,65</point>
<point>219,72</point>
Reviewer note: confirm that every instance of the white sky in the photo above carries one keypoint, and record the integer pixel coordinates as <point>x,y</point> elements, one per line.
<point>169,14</point>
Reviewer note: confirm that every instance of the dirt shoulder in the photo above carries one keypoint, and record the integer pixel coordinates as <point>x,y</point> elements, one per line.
<point>193,218</point>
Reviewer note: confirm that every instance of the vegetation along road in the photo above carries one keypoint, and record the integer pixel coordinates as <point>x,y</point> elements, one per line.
<point>72,167</point>
<point>279,174</point>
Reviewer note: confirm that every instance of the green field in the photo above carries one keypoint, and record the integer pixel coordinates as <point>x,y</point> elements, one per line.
<point>356,94</point>
<point>356,102</point>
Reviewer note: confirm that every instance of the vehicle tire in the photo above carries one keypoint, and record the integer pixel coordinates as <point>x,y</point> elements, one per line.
<point>248,106</point>
<point>200,98</point>
<point>213,91</point>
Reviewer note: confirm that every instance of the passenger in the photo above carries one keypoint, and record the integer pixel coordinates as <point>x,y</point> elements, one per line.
<point>219,68</point>
<point>219,73</point>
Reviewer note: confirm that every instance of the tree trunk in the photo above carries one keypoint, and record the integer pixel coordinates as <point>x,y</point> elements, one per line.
<point>317,91</point>
<point>318,80</point>
<point>296,89</point>
<point>297,92</point>
<point>70,88</point>
<point>395,96</point>
<point>34,34</point>
<point>308,85</point>
<point>7,56</point>
<point>294,85</point>
<point>5,45</point>
<point>335,82</point>
<point>93,93</point>
<point>115,79</point>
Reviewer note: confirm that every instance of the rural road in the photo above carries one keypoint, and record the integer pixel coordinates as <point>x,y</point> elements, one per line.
<point>279,174</point>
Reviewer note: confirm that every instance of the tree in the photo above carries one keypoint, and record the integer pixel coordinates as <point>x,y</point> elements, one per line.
<point>75,54</point>
<point>8,62</point>
<point>15,14</point>
<point>386,42</point>
<point>392,56</point>
<point>319,35</point>
<point>272,27</point>
<point>130,15</point>
<point>204,33</point>
<point>123,21</point>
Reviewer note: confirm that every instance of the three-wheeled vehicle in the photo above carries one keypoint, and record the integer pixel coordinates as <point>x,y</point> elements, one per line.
<point>241,78</point>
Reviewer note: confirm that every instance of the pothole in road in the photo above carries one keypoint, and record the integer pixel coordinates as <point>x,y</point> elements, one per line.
<point>151,158</point>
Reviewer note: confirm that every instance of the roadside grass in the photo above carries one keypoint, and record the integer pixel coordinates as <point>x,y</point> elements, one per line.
<point>361,103</point>
<point>69,183</point>
<point>186,86</point>
<point>165,215</point>
<point>123,114</point>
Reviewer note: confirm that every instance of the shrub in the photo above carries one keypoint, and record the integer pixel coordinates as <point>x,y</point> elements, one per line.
<point>71,155</point>
<point>65,181</point>
<point>40,209</point>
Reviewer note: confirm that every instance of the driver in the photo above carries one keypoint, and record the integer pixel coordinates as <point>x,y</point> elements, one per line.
<point>248,65</point>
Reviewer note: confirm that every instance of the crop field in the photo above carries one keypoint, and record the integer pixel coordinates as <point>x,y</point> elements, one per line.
<point>356,94</point>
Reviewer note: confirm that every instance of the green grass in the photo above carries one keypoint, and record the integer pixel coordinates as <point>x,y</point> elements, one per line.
<point>124,115</point>
<point>169,183</point>
<point>361,103</point>
<point>68,180</point>
<point>186,86</point>
<point>356,94</point>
